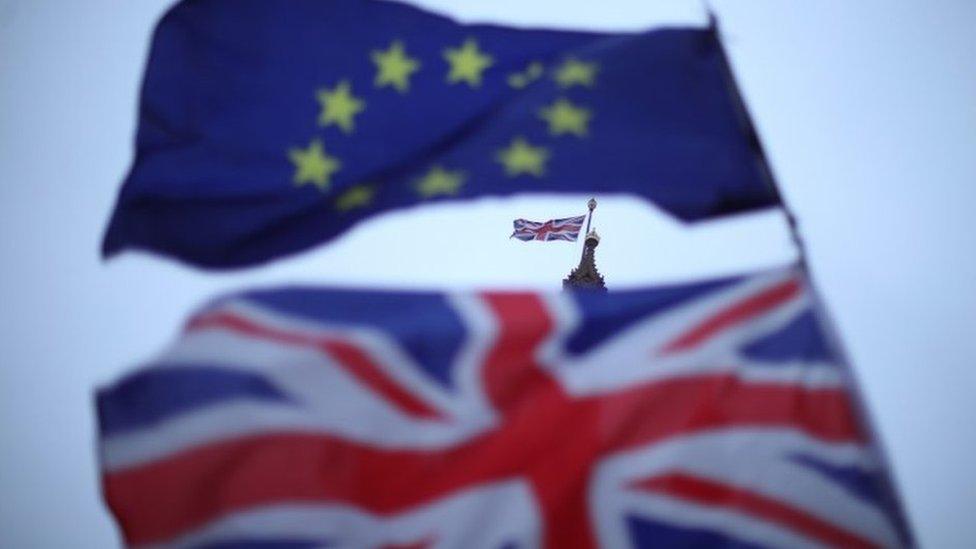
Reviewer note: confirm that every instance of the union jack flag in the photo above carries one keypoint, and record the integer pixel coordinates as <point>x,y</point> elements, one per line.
<point>693,415</point>
<point>555,229</point>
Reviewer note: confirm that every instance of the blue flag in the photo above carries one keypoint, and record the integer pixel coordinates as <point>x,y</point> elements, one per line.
<point>269,126</point>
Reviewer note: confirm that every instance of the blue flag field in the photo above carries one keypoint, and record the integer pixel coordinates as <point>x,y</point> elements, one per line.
<point>270,126</point>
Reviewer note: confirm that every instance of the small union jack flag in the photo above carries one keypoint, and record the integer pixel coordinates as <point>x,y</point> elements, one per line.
<point>694,415</point>
<point>555,229</point>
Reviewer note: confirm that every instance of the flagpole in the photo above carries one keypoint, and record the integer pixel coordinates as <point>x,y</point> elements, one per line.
<point>820,310</point>
<point>589,217</point>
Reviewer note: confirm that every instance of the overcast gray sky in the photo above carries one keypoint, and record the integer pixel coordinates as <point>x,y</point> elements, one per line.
<point>868,113</point>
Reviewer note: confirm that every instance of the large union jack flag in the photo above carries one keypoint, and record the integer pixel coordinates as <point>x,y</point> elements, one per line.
<point>695,415</point>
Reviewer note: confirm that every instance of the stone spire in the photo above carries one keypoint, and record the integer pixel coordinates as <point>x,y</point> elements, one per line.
<point>585,276</point>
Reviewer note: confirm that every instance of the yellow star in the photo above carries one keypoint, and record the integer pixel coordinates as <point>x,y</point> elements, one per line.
<point>339,106</point>
<point>394,67</point>
<point>440,181</point>
<point>565,117</point>
<point>573,72</point>
<point>313,165</point>
<point>519,80</point>
<point>355,197</point>
<point>467,63</point>
<point>521,157</point>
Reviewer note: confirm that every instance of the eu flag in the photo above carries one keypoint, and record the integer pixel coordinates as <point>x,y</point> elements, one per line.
<point>269,126</point>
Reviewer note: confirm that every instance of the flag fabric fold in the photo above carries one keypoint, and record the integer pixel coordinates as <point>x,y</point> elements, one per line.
<point>567,228</point>
<point>702,414</point>
<point>269,126</point>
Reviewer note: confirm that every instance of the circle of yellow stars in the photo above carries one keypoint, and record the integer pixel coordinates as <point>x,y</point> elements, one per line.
<point>467,64</point>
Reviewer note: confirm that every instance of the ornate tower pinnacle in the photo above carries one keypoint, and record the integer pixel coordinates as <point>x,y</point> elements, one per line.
<point>586,276</point>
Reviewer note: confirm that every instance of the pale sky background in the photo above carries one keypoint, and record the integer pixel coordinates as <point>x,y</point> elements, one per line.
<point>867,111</point>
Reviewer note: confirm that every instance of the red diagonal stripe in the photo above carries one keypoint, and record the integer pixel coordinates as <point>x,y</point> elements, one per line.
<point>677,406</point>
<point>350,358</point>
<point>708,492</point>
<point>735,314</point>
